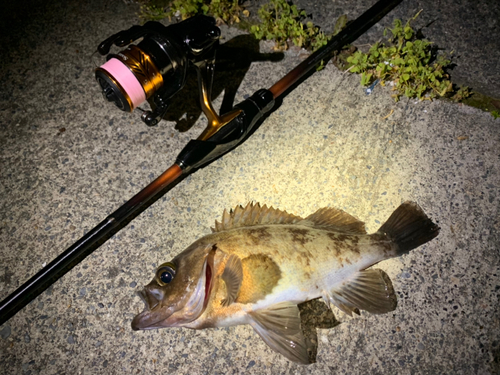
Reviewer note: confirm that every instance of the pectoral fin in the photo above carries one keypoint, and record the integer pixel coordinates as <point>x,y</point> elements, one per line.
<point>369,290</point>
<point>279,327</point>
<point>232,276</point>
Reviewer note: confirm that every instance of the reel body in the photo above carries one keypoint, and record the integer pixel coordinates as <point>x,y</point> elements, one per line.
<point>156,68</point>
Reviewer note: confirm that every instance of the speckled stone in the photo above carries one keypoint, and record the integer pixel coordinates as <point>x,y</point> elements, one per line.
<point>67,159</point>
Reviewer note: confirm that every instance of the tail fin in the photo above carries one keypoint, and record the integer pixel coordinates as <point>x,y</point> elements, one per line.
<point>409,227</point>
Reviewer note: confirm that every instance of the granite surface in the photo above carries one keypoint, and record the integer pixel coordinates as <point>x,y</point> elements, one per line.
<point>68,159</point>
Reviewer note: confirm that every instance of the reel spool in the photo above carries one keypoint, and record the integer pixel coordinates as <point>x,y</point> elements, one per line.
<point>156,68</point>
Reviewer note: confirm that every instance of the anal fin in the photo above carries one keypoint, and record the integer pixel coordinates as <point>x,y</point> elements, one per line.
<point>369,290</point>
<point>232,276</point>
<point>279,327</point>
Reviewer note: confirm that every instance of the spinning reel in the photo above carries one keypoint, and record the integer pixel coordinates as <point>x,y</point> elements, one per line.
<point>156,68</point>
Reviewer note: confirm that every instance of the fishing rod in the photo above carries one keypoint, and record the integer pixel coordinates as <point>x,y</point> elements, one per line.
<point>154,70</point>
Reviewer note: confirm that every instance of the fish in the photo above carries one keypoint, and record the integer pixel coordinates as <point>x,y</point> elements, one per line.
<point>259,263</point>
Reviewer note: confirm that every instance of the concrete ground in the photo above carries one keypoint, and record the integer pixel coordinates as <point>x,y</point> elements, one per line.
<point>68,159</point>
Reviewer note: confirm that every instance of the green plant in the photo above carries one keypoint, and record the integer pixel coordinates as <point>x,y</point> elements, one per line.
<point>187,8</point>
<point>152,13</point>
<point>227,11</point>
<point>461,94</point>
<point>408,62</point>
<point>282,22</point>
<point>495,114</point>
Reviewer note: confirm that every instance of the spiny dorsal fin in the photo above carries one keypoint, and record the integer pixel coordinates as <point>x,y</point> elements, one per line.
<point>369,290</point>
<point>334,219</point>
<point>253,214</point>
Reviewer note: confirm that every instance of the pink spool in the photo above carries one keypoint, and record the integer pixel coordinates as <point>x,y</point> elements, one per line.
<point>127,80</point>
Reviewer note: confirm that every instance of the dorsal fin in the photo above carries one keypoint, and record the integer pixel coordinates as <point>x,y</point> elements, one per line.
<point>253,214</point>
<point>334,219</point>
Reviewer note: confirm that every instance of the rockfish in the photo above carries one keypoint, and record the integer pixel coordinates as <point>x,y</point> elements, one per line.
<point>260,262</point>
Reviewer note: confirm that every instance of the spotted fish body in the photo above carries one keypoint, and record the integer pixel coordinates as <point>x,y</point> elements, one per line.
<point>259,263</point>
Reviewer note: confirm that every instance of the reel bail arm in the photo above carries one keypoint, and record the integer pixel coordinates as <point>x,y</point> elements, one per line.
<point>205,71</point>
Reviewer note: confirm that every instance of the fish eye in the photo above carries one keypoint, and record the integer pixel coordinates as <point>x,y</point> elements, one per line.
<point>166,276</point>
<point>165,273</point>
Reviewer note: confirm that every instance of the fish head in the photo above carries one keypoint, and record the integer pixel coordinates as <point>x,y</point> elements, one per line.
<point>179,291</point>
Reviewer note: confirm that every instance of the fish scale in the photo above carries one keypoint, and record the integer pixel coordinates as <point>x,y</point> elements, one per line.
<point>316,261</point>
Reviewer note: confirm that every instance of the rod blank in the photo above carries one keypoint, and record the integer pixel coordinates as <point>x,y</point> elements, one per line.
<point>83,247</point>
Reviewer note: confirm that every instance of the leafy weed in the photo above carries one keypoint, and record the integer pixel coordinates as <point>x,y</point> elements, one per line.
<point>409,63</point>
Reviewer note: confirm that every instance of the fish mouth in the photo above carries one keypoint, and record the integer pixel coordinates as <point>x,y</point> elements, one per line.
<point>150,302</point>
<point>152,315</point>
<point>157,315</point>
